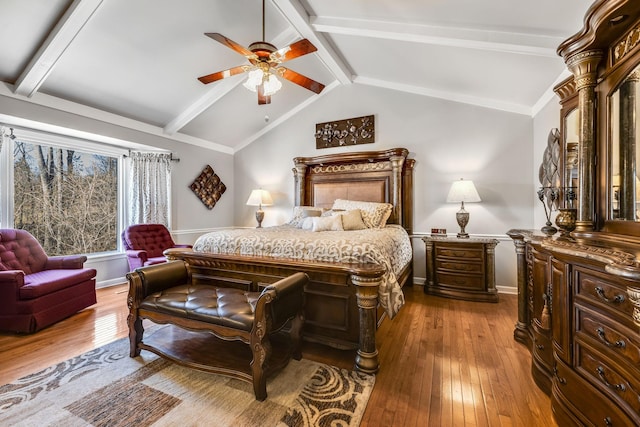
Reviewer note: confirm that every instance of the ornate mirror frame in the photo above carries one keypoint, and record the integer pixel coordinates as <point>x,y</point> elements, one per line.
<point>600,57</point>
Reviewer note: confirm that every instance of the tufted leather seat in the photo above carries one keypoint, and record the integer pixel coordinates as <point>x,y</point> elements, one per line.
<point>229,307</point>
<point>145,243</point>
<point>37,290</point>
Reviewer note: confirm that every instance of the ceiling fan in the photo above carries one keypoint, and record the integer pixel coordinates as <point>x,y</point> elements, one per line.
<point>265,61</point>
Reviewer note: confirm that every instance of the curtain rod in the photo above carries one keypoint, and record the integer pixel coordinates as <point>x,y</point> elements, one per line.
<point>173,159</point>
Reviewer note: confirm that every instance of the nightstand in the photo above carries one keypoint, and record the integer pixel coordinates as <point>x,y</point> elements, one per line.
<point>461,268</point>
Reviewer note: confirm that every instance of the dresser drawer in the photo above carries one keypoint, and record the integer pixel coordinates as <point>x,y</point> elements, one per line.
<point>594,288</point>
<point>470,252</point>
<point>472,282</point>
<point>459,265</point>
<point>591,407</point>
<point>613,337</point>
<point>622,386</point>
<point>542,349</point>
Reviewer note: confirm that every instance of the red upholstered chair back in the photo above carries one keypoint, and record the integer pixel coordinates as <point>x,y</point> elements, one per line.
<point>19,250</point>
<point>153,238</point>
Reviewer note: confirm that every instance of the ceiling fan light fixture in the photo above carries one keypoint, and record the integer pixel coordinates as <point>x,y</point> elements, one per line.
<point>254,79</point>
<point>271,84</point>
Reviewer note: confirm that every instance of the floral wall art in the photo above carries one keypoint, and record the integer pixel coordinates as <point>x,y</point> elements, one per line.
<point>359,130</point>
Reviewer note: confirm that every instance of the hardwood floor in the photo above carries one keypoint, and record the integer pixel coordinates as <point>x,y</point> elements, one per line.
<point>444,362</point>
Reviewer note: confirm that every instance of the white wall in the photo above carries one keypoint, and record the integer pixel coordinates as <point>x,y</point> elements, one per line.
<point>448,140</point>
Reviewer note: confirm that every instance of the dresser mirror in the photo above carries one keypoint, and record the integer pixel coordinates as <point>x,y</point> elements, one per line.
<point>624,191</point>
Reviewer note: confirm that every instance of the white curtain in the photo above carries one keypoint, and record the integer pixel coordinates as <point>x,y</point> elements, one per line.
<point>150,188</point>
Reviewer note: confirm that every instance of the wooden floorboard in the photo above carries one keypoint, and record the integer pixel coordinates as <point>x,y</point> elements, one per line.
<point>444,362</point>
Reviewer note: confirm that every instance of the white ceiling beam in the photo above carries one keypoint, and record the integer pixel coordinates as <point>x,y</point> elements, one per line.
<point>60,38</point>
<point>219,89</point>
<point>483,39</point>
<point>449,96</point>
<point>297,16</point>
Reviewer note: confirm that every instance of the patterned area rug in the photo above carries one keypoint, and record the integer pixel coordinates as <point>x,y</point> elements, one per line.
<point>105,387</point>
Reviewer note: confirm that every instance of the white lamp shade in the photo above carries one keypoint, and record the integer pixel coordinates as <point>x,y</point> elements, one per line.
<point>260,198</point>
<point>463,191</point>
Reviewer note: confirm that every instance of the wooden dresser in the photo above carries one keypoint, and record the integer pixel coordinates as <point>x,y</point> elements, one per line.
<point>579,290</point>
<point>578,301</point>
<point>461,268</point>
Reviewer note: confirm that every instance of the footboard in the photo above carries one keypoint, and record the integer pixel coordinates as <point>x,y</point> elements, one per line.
<point>340,299</point>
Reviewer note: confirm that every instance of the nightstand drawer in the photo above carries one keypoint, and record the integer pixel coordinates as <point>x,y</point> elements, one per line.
<point>462,266</point>
<point>474,282</point>
<point>462,252</point>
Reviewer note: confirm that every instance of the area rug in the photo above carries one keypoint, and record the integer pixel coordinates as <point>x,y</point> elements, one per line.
<point>105,387</point>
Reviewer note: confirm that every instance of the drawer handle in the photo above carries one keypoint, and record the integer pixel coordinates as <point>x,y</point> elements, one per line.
<point>540,346</point>
<point>617,387</point>
<point>607,421</point>
<point>460,281</point>
<point>616,300</point>
<point>560,379</point>
<point>603,338</point>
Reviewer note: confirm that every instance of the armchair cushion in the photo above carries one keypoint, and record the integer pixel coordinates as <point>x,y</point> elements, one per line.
<point>48,281</point>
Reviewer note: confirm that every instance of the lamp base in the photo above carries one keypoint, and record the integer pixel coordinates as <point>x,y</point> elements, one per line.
<point>462,217</point>
<point>259,218</point>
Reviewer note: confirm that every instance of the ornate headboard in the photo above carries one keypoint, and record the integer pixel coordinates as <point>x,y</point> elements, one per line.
<point>370,176</point>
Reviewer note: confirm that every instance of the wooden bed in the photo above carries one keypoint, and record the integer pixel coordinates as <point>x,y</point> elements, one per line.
<point>341,307</point>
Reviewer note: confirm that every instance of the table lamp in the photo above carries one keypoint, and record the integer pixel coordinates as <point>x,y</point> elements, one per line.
<point>259,198</point>
<point>463,191</point>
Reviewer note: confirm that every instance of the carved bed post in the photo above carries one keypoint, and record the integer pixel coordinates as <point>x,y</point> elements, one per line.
<point>367,298</point>
<point>299,172</point>
<point>397,163</point>
<point>584,66</point>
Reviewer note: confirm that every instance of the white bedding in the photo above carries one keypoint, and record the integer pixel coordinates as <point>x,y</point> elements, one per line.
<point>389,246</point>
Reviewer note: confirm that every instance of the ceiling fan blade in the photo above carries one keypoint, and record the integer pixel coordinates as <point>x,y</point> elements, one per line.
<point>299,48</point>
<point>301,80</point>
<point>221,74</point>
<point>230,44</point>
<point>262,98</point>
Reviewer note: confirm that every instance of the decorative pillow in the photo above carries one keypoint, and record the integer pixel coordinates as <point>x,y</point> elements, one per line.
<point>307,223</point>
<point>352,220</point>
<point>332,212</point>
<point>327,223</point>
<point>374,215</point>
<point>302,212</point>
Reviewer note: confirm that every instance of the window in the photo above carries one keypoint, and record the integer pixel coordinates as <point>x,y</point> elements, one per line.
<point>64,191</point>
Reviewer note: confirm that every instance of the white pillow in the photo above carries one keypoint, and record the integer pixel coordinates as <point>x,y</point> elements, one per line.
<point>302,212</point>
<point>352,220</point>
<point>307,223</point>
<point>374,215</point>
<point>327,223</point>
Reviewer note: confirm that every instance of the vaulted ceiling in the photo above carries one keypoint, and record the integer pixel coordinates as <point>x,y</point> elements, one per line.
<point>140,59</point>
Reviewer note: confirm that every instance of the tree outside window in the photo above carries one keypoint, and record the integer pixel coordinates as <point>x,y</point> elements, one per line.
<point>68,199</point>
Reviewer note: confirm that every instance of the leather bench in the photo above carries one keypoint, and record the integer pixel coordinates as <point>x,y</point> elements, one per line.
<point>165,294</point>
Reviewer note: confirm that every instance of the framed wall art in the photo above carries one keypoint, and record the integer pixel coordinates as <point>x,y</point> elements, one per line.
<point>208,187</point>
<point>358,130</point>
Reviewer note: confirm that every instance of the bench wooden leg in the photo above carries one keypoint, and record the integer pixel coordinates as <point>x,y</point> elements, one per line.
<point>261,350</point>
<point>296,335</point>
<point>135,334</point>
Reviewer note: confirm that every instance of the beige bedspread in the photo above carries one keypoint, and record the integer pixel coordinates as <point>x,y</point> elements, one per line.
<point>389,246</point>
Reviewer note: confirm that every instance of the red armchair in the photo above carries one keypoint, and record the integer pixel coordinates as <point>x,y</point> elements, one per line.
<point>37,290</point>
<point>145,243</point>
